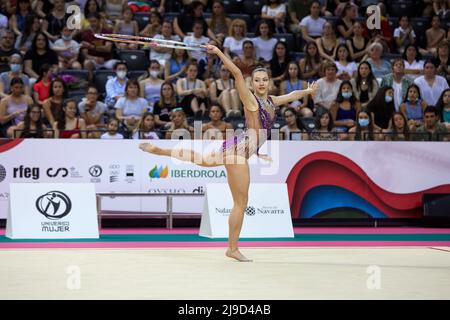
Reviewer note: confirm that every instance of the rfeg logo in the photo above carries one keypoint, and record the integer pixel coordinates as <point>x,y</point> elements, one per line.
<point>54,205</point>
<point>159,172</point>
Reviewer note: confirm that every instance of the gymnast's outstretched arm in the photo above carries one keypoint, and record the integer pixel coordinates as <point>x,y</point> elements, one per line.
<point>247,98</point>
<point>295,95</point>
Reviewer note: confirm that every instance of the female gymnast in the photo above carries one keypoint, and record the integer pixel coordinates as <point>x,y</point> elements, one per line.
<point>260,112</point>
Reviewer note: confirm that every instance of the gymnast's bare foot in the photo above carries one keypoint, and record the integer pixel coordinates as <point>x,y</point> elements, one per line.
<point>148,147</point>
<point>235,254</point>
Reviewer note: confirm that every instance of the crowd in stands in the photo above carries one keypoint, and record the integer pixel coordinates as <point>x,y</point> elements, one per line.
<point>388,83</point>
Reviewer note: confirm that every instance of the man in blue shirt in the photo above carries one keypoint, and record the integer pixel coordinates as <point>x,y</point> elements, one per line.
<point>115,87</point>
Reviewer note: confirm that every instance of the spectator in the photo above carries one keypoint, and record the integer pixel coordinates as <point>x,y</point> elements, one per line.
<point>223,92</point>
<point>115,87</point>
<point>56,20</point>
<point>197,39</point>
<point>365,86</point>
<point>53,106</point>
<point>175,68</point>
<point>358,44</point>
<point>219,23</point>
<point>328,86</point>
<point>441,8</point>
<point>3,21</point>
<point>145,128</point>
<point>397,81</point>
<point>39,54</point>
<point>264,41</point>
<point>25,39</point>
<point>380,67</point>
<point>67,50</point>
<point>382,107</point>
<point>275,11</point>
<point>431,129</point>
<point>153,27</point>
<point>15,65</point>
<point>297,10</point>
<point>41,89</point>
<point>413,62</point>
<point>398,128</point>
<point>216,128</point>
<point>193,92</point>
<point>291,82</point>
<point>344,109</point>
<point>345,24</point>
<point>364,129</point>
<point>237,35</point>
<point>130,107</point>
<point>92,112</point>
<point>14,106</point>
<point>6,47</point>
<point>33,125</point>
<point>324,128</point>
<point>413,106</point>
<point>442,60</point>
<point>112,127</point>
<point>311,64</point>
<point>346,68</point>
<point>114,9</point>
<point>208,68</point>
<point>312,26</point>
<point>280,61</point>
<point>327,43</point>
<point>178,123</point>
<point>443,107</point>
<point>164,54</point>
<point>248,62</point>
<point>127,26</point>
<point>404,35</point>
<point>150,87</point>
<point>165,105</point>
<point>431,85</point>
<point>92,6</point>
<point>18,20</point>
<point>184,23</point>
<point>293,125</point>
<point>68,125</point>
<point>434,35</point>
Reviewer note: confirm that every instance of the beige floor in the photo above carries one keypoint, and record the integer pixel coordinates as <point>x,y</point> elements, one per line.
<point>303,273</point>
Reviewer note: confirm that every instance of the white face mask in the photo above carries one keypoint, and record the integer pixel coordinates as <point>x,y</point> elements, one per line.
<point>154,73</point>
<point>121,74</point>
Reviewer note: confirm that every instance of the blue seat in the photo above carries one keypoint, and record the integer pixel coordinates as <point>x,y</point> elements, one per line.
<point>287,38</point>
<point>100,79</point>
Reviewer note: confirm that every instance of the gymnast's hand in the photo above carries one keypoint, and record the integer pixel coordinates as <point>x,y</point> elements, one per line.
<point>212,49</point>
<point>312,88</point>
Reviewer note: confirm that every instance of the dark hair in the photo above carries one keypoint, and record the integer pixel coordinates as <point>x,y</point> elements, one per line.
<point>370,78</point>
<point>358,127</point>
<point>65,93</point>
<point>132,82</point>
<point>86,13</point>
<point>287,55</point>
<point>118,63</point>
<point>418,54</point>
<point>268,2</point>
<point>198,22</point>
<point>428,61</point>
<point>316,58</point>
<point>248,42</point>
<point>286,72</point>
<point>320,114</point>
<point>95,15</point>
<point>346,8</point>
<point>405,127</point>
<point>33,44</point>
<point>340,97</point>
<point>407,91</point>
<point>16,80</point>
<point>18,7</point>
<point>28,25</point>
<point>62,119</point>
<point>221,109</point>
<point>173,102</point>
<point>45,68</point>
<point>27,123</point>
<point>440,104</point>
<point>431,109</point>
<point>140,128</point>
<point>342,45</point>
<point>379,104</point>
<point>258,25</point>
<point>297,118</point>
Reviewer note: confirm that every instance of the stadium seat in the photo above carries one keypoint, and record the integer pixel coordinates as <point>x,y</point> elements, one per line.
<point>134,74</point>
<point>420,26</point>
<point>82,74</point>
<point>308,123</point>
<point>252,7</point>
<point>100,79</point>
<point>142,18</point>
<point>287,38</point>
<point>135,59</point>
<point>232,6</point>
<point>399,9</point>
<point>297,56</point>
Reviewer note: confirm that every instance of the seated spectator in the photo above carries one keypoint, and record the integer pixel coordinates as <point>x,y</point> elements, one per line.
<point>382,107</point>
<point>431,129</point>
<point>324,128</point>
<point>312,26</point>
<point>176,66</point>
<point>223,92</point>
<point>53,106</point>
<point>150,87</point>
<point>25,39</point>
<point>344,109</point>
<point>39,54</point>
<point>33,125</point>
<point>145,128</point>
<point>130,107</point>
<point>112,126</point>
<point>69,126</point>
<point>293,129</point>
<point>398,128</point>
<point>153,27</point>
<point>219,23</point>
<point>6,48</point>
<point>167,102</point>
<point>413,106</point>
<point>17,21</point>
<point>184,23</point>
<point>164,54</point>
<point>14,106</point>
<point>430,84</point>
<point>365,86</point>
<point>248,61</point>
<point>92,6</point>
<point>232,45</point>
<point>178,125</point>
<point>197,38</point>
<point>364,129</point>
<point>404,35</point>
<point>92,112</point>
<point>280,60</point>
<point>297,9</point>
<point>264,41</point>
<point>345,24</point>
<point>291,83</point>
<point>328,86</point>
<point>275,11</point>
<point>434,35</point>
<point>310,65</point>
<point>380,67</point>
<point>443,107</point>
<point>397,81</point>
<point>327,43</point>
<point>15,65</point>
<point>55,20</point>
<point>114,9</point>
<point>41,89</point>
<point>115,87</point>
<point>442,60</point>
<point>413,61</point>
<point>346,68</point>
<point>358,45</point>
<point>216,128</point>
<point>67,50</point>
<point>209,67</point>
<point>127,26</point>
<point>193,92</point>
<point>441,8</point>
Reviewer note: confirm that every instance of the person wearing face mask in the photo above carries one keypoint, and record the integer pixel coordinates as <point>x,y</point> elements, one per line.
<point>344,109</point>
<point>15,64</point>
<point>364,129</point>
<point>67,50</point>
<point>115,87</point>
<point>397,81</point>
<point>150,87</point>
<point>382,107</point>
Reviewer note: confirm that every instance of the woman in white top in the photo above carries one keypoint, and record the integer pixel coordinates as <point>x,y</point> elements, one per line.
<point>413,61</point>
<point>237,35</point>
<point>264,41</point>
<point>404,35</point>
<point>311,26</point>
<point>430,84</point>
<point>150,87</point>
<point>346,68</point>
<point>145,128</point>
<point>130,107</point>
<point>292,125</point>
<point>275,10</point>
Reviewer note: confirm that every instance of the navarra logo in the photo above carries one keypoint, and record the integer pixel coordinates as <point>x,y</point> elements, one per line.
<point>159,172</point>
